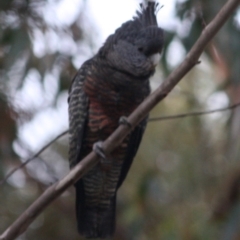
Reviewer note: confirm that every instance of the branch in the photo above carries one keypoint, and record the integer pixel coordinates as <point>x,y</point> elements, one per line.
<point>191,114</point>
<point>27,217</point>
<point>154,119</point>
<point>32,158</point>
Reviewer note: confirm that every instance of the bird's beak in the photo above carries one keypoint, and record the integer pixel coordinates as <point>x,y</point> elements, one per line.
<point>155,59</point>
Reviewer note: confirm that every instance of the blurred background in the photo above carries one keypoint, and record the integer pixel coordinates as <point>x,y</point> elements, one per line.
<point>185,180</point>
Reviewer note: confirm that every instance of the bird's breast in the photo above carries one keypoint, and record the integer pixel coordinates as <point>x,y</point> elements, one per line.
<point>106,106</point>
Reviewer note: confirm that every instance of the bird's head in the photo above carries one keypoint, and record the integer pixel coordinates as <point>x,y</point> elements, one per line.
<point>136,46</point>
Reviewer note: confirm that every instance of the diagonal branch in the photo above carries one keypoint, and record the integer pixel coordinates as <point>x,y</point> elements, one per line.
<point>22,223</point>
<point>153,119</point>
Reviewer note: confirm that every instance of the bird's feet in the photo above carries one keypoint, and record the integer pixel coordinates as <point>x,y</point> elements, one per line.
<point>104,161</point>
<point>98,149</point>
<point>123,120</point>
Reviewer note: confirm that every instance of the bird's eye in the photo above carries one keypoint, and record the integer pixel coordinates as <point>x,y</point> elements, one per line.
<point>140,49</point>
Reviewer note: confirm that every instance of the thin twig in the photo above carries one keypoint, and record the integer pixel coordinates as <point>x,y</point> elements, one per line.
<point>54,191</point>
<point>153,119</point>
<point>32,158</point>
<point>191,114</point>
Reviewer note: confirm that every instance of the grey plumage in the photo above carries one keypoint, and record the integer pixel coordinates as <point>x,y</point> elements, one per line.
<point>110,85</point>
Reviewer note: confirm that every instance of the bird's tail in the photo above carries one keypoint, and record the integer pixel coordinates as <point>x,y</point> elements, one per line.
<point>94,222</point>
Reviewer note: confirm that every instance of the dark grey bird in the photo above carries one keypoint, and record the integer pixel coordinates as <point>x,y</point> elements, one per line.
<point>110,85</point>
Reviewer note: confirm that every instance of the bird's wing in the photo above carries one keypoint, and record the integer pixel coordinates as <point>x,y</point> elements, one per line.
<point>134,142</point>
<point>78,114</point>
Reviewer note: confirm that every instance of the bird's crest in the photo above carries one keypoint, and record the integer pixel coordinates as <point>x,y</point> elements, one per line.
<point>146,16</point>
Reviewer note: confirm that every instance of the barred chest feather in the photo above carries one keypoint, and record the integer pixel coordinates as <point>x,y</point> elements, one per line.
<point>107,103</point>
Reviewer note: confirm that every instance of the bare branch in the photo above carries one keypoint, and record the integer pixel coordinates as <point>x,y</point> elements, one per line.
<point>22,223</point>
<point>191,114</point>
<point>32,158</point>
<point>154,119</point>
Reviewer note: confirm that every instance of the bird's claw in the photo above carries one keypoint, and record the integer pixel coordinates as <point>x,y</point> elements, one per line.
<point>106,164</point>
<point>123,120</point>
<point>98,149</point>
